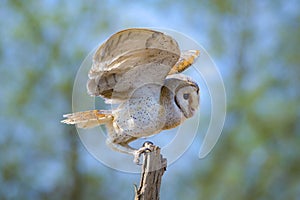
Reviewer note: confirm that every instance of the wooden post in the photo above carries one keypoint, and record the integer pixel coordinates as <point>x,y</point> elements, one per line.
<point>153,168</point>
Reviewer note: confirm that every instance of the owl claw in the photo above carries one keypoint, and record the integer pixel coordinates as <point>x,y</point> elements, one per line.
<point>138,153</point>
<point>147,143</point>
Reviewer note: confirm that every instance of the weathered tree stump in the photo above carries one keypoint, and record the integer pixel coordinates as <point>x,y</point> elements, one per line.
<point>153,168</point>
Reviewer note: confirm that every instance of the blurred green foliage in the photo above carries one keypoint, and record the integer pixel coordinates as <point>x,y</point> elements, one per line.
<point>256,44</point>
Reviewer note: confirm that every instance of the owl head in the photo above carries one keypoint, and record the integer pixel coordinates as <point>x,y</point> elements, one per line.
<point>186,93</point>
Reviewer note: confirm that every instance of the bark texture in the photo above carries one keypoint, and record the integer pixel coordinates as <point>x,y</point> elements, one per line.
<point>153,168</point>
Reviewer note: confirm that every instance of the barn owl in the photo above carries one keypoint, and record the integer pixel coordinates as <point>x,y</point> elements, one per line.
<point>139,71</point>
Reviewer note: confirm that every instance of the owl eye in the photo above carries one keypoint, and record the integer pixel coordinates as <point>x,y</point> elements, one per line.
<point>186,96</point>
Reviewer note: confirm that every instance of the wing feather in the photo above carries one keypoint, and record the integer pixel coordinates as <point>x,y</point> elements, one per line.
<point>129,59</point>
<point>187,58</point>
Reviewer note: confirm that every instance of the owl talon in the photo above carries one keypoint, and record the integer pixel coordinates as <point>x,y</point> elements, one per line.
<point>147,143</point>
<point>136,160</point>
<point>138,153</point>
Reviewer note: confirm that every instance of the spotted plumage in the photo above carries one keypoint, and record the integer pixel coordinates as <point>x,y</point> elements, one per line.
<point>138,69</point>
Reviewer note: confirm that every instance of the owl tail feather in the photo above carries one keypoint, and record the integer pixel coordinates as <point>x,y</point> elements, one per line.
<point>88,119</point>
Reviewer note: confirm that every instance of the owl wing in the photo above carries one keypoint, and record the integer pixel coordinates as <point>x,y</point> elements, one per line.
<point>130,59</point>
<point>187,58</point>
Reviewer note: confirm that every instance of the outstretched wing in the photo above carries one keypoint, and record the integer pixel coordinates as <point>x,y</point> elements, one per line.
<point>130,59</point>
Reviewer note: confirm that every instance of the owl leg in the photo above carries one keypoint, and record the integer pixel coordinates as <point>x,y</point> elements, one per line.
<point>144,149</point>
<point>121,147</point>
<point>127,149</point>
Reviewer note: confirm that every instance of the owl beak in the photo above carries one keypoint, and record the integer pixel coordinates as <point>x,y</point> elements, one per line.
<point>193,106</point>
<point>193,111</point>
<point>190,113</point>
